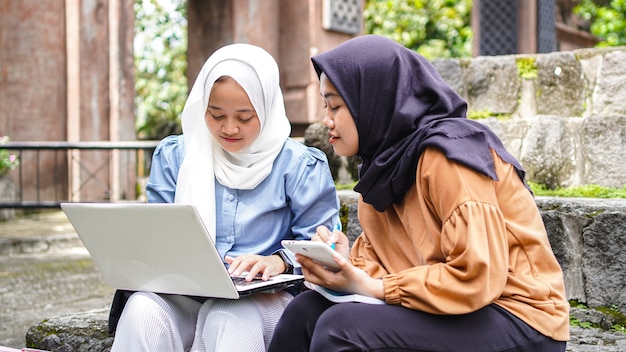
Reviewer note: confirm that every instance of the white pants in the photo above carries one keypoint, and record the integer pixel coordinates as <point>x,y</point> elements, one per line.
<point>153,322</point>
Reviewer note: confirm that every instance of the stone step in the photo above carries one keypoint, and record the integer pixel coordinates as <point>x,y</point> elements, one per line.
<point>40,244</point>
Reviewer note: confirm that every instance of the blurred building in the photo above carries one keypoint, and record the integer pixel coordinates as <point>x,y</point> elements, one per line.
<point>67,74</point>
<point>504,27</point>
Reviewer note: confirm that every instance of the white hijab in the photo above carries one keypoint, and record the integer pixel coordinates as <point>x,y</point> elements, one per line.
<point>204,160</point>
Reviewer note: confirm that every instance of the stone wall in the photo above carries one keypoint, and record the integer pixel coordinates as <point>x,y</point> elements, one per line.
<point>562,114</point>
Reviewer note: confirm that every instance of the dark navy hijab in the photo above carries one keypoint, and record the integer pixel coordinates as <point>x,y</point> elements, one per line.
<point>401,105</point>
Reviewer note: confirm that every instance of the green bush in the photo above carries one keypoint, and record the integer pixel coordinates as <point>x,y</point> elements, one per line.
<point>582,191</point>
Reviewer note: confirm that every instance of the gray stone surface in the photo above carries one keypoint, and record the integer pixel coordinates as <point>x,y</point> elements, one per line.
<point>595,340</point>
<point>79,332</point>
<point>567,125</point>
<point>492,84</point>
<point>548,151</point>
<point>8,194</point>
<point>452,72</point>
<point>560,87</point>
<point>44,272</point>
<point>608,97</point>
<point>602,147</point>
<point>588,237</point>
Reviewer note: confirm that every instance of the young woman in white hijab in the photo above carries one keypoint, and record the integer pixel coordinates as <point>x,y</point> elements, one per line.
<point>253,187</point>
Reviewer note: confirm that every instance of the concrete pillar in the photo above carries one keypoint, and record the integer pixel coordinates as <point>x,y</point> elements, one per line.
<point>33,86</point>
<point>527,27</point>
<point>100,101</point>
<point>215,23</point>
<point>67,74</point>
<point>302,35</point>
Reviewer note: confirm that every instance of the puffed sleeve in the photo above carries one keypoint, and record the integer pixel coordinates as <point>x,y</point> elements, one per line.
<point>363,256</point>
<point>312,195</point>
<point>166,161</point>
<point>468,268</point>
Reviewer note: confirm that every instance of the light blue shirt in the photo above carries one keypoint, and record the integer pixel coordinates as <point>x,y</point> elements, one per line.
<point>297,196</point>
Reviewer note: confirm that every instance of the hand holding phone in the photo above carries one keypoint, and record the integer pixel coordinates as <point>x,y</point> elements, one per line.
<point>316,250</point>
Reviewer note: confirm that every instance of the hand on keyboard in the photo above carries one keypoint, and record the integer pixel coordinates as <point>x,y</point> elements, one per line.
<point>241,280</point>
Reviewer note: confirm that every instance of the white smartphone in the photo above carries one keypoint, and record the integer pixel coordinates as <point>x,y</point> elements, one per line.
<point>316,250</point>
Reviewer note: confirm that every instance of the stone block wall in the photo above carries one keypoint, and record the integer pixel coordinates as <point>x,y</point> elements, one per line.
<point>562,114</point>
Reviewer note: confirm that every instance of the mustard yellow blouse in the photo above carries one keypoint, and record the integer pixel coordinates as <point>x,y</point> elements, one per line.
<point>460,241</point>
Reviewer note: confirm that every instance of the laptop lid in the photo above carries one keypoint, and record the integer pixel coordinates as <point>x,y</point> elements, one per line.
<point>158,247</point>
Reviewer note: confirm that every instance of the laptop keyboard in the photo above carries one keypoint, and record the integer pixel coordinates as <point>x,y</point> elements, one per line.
<point>241,280</point>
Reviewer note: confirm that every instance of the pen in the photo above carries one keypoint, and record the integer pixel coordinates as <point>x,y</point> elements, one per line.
<point>336,228</point>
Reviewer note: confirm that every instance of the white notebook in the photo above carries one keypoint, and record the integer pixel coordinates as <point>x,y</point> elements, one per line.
<point>159,247</point>
<point>341,297</point>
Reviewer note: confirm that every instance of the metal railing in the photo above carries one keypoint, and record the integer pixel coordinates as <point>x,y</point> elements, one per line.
<point>50,173</point>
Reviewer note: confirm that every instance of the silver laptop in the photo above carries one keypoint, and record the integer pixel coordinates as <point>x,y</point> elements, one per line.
<point>159,247</point>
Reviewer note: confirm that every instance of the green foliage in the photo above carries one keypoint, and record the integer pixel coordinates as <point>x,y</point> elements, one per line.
<point>161,65</point>
<point>344,214</point>
<point>607,22</point>
<point>435,28</point>
<point>345,186</point>
<point>617,317</point>
<point>526,67</point>
<point>613,312</point>
<point>618,328</point>
<point>577,304</point>
<point>484,114</point>
<point>573,321</point>
<point>8,160</point>
<point>582,191</point>
<point>479,114</point>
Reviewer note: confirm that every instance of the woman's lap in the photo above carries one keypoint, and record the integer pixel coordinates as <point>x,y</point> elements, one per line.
<point>170,321</point>
<point>156,322</point>
<point>369,327</point>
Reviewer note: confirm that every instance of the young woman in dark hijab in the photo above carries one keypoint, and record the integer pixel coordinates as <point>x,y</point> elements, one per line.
<point>452,240</point>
